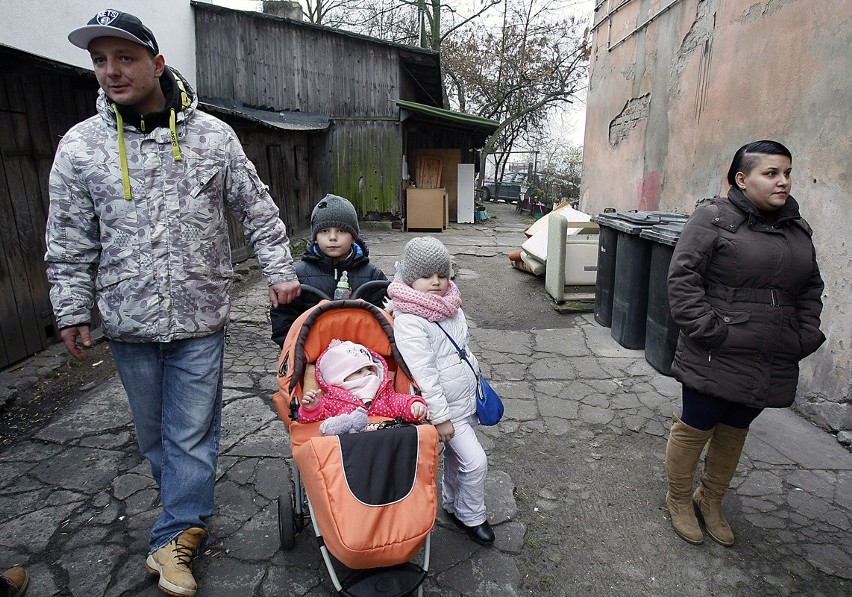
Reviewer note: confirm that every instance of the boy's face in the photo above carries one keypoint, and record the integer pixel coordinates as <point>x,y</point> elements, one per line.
<point>334,242</point>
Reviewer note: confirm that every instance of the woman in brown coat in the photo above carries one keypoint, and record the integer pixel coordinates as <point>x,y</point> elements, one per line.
<point>744,288</point>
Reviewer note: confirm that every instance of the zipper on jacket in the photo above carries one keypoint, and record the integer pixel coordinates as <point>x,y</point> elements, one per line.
<point>709,356</point>
<point>773,297</point>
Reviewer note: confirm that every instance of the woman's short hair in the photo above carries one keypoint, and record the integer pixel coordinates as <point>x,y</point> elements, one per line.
<point>746,157</point>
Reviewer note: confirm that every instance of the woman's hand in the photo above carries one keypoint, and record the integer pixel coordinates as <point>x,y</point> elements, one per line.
<point>446,431</point>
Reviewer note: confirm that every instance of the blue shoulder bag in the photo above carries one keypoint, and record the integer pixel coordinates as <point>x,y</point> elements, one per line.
<point>489,406</point>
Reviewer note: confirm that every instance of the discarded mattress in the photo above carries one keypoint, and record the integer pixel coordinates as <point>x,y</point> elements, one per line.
<point>581,250</point>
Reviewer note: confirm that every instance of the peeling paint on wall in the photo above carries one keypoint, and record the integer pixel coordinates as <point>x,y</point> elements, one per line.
<point>648,191</point>
<point>699,36</point>
<point>636,110</point>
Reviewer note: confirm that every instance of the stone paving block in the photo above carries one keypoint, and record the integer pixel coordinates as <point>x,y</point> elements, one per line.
<point>798,443</point>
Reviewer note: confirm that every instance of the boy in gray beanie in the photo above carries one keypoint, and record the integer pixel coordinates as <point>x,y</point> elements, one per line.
<point>334,212</point>
<point>335,248</point>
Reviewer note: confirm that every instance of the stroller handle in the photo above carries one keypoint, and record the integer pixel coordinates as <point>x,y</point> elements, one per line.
<point>361,291</point>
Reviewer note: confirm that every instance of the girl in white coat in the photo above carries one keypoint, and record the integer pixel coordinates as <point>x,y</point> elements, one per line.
<point>427,309</point>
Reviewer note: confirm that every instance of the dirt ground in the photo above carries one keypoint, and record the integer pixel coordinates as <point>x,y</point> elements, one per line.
<point>60,388</point>
<point>54,391</point>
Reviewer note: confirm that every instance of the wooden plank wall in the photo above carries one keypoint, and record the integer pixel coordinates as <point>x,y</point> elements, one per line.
<point>368,165</point>
<point>279,65</point>
<point>282,159</point>
<point>37,106</point>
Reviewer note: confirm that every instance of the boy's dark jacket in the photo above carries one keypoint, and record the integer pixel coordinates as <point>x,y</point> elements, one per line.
<point>321,272</point>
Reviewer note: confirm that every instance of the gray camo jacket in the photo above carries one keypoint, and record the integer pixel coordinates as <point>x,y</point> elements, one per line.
<point>158,265</point>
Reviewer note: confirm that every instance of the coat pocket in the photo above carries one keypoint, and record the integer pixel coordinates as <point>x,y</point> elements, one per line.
<point>203,225</point>
<point>791,342</point>
<point>739,334</point>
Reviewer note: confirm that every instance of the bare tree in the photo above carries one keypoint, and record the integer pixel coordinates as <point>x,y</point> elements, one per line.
<point>331,13</point>
<point>535,62</point>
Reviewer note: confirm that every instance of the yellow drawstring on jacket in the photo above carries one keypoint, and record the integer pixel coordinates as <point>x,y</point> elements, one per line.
<point>122,150</point>
<point>173,135</point>
<point>122,154</point>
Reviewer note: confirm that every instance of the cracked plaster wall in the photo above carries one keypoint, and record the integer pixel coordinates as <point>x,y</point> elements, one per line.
<point>670,102</point>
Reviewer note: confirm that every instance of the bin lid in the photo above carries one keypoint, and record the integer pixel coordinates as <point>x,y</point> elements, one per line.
<point>632,221</point>
<point>666,234</point>
<point>670,216</point>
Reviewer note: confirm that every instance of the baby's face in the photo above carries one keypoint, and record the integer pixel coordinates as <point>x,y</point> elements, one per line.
<point>362,372</point>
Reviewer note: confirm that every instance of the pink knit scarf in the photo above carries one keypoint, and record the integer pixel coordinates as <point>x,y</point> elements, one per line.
<point>428,306</point>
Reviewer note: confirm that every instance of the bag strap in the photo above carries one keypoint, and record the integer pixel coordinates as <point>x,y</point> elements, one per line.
<point>462,354</point>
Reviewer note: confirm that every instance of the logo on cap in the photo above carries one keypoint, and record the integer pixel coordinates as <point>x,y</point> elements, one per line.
<point>106,17</point>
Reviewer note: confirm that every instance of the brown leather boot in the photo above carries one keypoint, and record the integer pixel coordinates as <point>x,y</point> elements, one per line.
<point>682,453</point>
<point>720,464</point>
<point>17,580</point>
<point>173,563</point>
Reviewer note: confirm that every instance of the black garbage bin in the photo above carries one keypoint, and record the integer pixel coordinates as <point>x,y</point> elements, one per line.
<point>632,267</point>
<point>605,276</point>
<point>660,329</point>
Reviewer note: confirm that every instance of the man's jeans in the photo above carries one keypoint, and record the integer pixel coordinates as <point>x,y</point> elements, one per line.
<point>175,393</point>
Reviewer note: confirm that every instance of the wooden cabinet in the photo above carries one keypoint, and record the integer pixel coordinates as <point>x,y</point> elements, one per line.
<point>426,209</point>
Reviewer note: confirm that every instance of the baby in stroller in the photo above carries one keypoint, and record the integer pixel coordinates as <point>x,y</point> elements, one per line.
<point>371,497</point>
<point>354,384</point>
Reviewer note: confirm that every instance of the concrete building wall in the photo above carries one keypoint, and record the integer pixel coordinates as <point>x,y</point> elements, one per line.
<point>41,27</point>
<point>678,85</point>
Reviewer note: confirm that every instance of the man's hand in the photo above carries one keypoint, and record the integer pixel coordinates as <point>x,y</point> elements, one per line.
<point>284,293</point>
<point>73,345</point>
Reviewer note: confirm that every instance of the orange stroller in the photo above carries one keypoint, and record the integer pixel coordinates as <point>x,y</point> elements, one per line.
<point>370,496</point>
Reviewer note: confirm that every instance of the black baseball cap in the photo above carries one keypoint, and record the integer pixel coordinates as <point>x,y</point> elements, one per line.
<point>114,23</point>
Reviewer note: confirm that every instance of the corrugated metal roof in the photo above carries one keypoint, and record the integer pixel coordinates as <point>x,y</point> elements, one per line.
<point>458,118</point>
<point>285,120</point>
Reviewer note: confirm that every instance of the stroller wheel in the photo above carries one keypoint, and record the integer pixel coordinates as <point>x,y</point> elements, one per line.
<point>286,521</point>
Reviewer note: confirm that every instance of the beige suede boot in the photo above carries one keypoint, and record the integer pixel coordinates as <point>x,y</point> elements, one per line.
<point>682,453</point>
<point>720,464</point>
<point>173,563</point>
<point>16,581</point>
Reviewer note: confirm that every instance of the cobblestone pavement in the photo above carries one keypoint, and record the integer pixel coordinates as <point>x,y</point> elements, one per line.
<point>575,487</point>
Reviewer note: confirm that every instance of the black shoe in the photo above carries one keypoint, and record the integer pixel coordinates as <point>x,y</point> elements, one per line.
<point>481,533</point>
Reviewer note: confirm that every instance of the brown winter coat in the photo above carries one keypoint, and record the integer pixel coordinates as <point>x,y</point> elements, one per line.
<point>745,288</point>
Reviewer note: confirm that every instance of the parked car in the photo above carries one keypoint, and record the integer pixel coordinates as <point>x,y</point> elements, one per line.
<point>511,188</point>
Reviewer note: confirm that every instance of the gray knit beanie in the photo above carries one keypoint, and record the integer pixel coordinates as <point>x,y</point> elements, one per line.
<point>423,256</point>
<point>334,212</point>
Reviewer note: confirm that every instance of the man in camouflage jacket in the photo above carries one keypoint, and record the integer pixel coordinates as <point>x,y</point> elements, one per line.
<point>137,225</point>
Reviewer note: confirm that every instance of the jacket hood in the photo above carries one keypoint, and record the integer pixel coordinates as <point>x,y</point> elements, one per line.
<point>180,96</point>
<point>181,102</point>
<point>359,255</point>
<point>790,210</point>
<point>384,385</point>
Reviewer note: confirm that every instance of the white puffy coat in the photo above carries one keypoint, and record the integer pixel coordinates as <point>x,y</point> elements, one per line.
<point>447,383</point>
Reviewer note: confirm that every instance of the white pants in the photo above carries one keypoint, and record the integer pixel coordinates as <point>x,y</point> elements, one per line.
<point>465,468</point>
